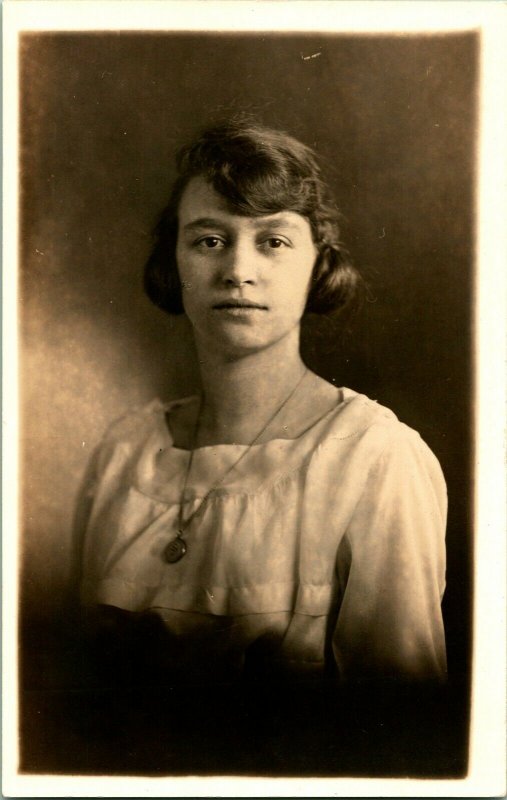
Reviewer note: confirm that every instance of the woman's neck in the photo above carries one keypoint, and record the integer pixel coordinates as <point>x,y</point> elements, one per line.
<point>242,395</point>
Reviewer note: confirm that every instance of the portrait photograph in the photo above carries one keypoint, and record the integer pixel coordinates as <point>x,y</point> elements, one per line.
<point>253,469</point>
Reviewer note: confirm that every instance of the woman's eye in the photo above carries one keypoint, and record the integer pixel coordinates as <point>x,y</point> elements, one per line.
<point>210,242</point>
<point>275,243</point>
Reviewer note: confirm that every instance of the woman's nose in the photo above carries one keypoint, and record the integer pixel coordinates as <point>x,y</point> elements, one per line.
<point>240,266</point>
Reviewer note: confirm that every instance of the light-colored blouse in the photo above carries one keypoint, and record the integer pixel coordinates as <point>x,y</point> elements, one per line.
<point>324,548</point>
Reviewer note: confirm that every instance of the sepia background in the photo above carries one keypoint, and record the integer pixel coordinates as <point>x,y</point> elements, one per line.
<point>394,119</point>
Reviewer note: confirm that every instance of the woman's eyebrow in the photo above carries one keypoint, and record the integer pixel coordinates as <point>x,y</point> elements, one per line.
<point>272,222</point>
<point>204,222</point>
<point>275,222</point>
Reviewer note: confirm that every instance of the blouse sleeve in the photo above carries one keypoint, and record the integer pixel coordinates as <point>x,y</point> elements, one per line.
<point>82,509</point>
<point>391,569</point>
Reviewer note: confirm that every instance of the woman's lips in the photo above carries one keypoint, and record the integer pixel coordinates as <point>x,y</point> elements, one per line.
<point>240,309</point>
<point>239,304</point>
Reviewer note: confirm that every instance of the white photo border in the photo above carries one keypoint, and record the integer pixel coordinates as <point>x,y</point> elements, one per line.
<point>487,767</point>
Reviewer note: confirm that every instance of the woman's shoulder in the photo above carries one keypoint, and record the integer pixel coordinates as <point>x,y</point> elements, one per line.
<point>358,414</point>
<point>141,421</point>
<point>364,423</point>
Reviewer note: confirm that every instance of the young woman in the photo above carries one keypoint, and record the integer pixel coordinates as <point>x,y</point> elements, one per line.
<point>274,524</point>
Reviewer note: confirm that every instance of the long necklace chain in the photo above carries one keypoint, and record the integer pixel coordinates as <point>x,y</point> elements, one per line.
<point>177,547</point>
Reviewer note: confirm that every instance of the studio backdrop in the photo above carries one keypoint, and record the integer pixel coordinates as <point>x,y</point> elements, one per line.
<point>394,119</point>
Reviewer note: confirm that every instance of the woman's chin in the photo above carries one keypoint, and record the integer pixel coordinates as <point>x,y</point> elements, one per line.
<point>238,336</point>
<point>234,339</point>
<point>239,346</point>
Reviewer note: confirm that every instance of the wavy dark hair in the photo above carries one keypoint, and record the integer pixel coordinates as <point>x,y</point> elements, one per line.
<point>259,171</point>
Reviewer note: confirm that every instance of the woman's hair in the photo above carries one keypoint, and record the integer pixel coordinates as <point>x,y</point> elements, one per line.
<point>259,171</point>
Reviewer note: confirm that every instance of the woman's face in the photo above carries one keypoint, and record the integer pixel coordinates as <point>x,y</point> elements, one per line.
<point>245,280</point>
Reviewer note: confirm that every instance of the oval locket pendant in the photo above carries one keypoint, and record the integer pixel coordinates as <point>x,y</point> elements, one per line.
<point>175,550</point>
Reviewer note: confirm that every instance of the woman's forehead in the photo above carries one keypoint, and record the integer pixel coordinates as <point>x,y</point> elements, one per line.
<point>201,205</point>
<point>199,194</point>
